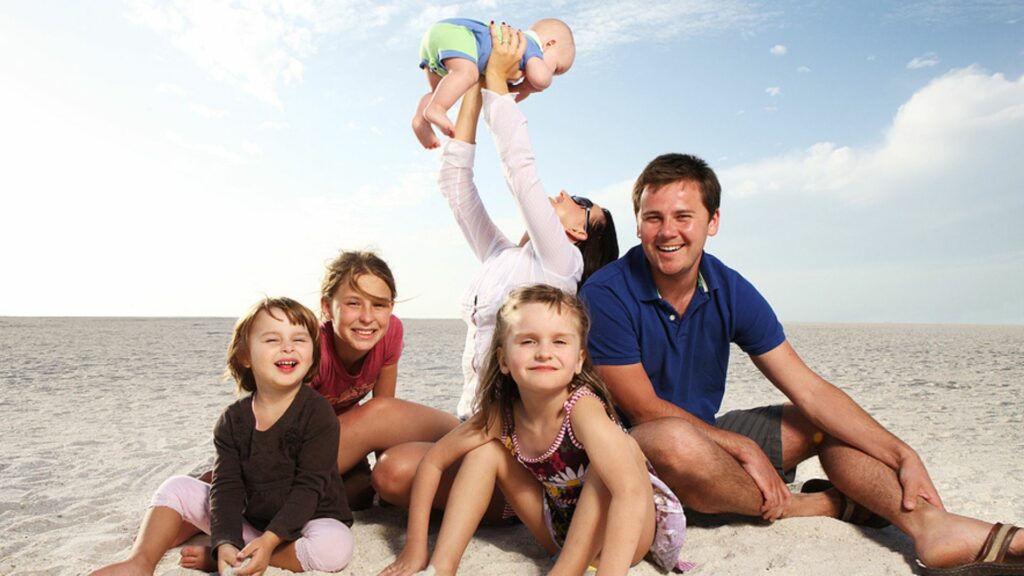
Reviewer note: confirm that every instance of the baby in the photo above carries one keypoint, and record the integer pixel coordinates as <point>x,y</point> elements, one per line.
<point>454,53</point>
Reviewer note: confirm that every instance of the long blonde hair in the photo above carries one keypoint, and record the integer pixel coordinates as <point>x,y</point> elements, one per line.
<point>497,392</point>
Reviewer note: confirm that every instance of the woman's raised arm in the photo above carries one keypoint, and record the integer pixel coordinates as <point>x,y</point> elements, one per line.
<point>508,128</point>
<point>469,114</point>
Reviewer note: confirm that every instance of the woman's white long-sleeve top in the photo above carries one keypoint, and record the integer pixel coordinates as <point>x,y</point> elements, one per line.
<point>548,257</point>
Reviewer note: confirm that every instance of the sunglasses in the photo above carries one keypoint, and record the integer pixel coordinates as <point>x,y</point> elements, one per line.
<point>586,204</point>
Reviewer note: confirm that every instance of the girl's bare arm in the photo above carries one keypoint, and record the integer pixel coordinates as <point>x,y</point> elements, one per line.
<point>617,460</point>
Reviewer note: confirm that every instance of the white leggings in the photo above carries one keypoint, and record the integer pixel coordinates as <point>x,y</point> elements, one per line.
<point>325,545</point>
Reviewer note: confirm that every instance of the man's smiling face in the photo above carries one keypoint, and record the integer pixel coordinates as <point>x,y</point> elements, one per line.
<point>673,226</point>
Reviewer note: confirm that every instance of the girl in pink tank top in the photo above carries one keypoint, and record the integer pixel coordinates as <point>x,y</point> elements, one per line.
<point>360,344</point>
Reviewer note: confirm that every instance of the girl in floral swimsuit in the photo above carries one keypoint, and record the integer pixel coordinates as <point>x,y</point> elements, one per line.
<point>546,433</point>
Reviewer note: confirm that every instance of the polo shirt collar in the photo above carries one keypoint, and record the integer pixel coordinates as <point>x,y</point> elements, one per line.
<point>642,281</point>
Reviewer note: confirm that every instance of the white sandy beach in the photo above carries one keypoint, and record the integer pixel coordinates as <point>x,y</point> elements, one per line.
<point>92,430</point>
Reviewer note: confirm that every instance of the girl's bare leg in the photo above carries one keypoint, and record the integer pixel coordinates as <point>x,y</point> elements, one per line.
<point>382,423</point>
<point>284,557</point>
<point>474,485</point>
<point>160,530</point>
<point>394,472</point>
<point>358,488</point>
<point>586,535</point>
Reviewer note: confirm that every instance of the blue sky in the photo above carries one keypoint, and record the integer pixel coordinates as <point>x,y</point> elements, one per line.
<point>186,158</point>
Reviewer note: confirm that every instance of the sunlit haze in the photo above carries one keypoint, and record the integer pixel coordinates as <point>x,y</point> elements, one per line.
<point>185,158</point>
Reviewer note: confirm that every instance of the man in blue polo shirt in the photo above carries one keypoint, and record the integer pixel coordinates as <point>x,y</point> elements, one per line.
<point>664,316</point>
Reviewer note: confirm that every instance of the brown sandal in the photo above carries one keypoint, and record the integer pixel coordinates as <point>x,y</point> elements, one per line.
<point>991,559</point>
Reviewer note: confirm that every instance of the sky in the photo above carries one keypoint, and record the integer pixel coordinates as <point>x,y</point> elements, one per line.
<point>186,158</point>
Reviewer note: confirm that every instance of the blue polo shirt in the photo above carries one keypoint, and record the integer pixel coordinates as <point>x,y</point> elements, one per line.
<point>685,355</point>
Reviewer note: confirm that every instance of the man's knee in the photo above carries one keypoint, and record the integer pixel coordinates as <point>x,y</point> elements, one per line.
<point>800,438</point>
<point>672,444</point>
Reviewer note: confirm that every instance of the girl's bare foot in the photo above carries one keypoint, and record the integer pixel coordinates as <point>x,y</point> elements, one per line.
<point>197,558</point>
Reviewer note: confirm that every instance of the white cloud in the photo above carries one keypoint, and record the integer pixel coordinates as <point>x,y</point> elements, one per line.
<point>924,61</point>
<point>411,187</point>
<point>942,127</point>
<point>258,45</point>
<point>273,125</point>
<point>596,27</point>
<point>803,69</point>
<point>778,50</point>
<point>169,88</point>
<point>430,14</point>
<point>251,148</point>
<point>262,46</point>
<point>935,202</point>
<point>943,11</point>
<point>215,150</point>
<point>773,91</point>
<point>206,112</point>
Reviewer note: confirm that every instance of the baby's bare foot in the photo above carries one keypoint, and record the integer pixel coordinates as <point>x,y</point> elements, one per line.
<point>425,133</point>
<point>438,116</point>
<point>197,558</point>
<point>130,567</point>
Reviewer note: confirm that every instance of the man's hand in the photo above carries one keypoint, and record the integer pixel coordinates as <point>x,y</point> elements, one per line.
<point>916,482</point>
<point>775,492</point>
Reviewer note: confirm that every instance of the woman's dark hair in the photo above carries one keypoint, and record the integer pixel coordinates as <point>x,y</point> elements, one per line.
<point>600,247</point>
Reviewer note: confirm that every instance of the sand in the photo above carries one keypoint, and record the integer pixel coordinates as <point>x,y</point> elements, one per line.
<point>83,450</point>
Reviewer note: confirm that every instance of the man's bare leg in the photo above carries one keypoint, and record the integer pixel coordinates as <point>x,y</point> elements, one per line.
<point>709,480</point>
<point>941,539</point>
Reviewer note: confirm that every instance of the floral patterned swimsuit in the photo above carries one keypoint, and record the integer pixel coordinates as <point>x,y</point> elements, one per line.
<point>562,470</point>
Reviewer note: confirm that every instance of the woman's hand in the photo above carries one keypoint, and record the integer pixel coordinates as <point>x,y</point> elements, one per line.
<point>507,48</point>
